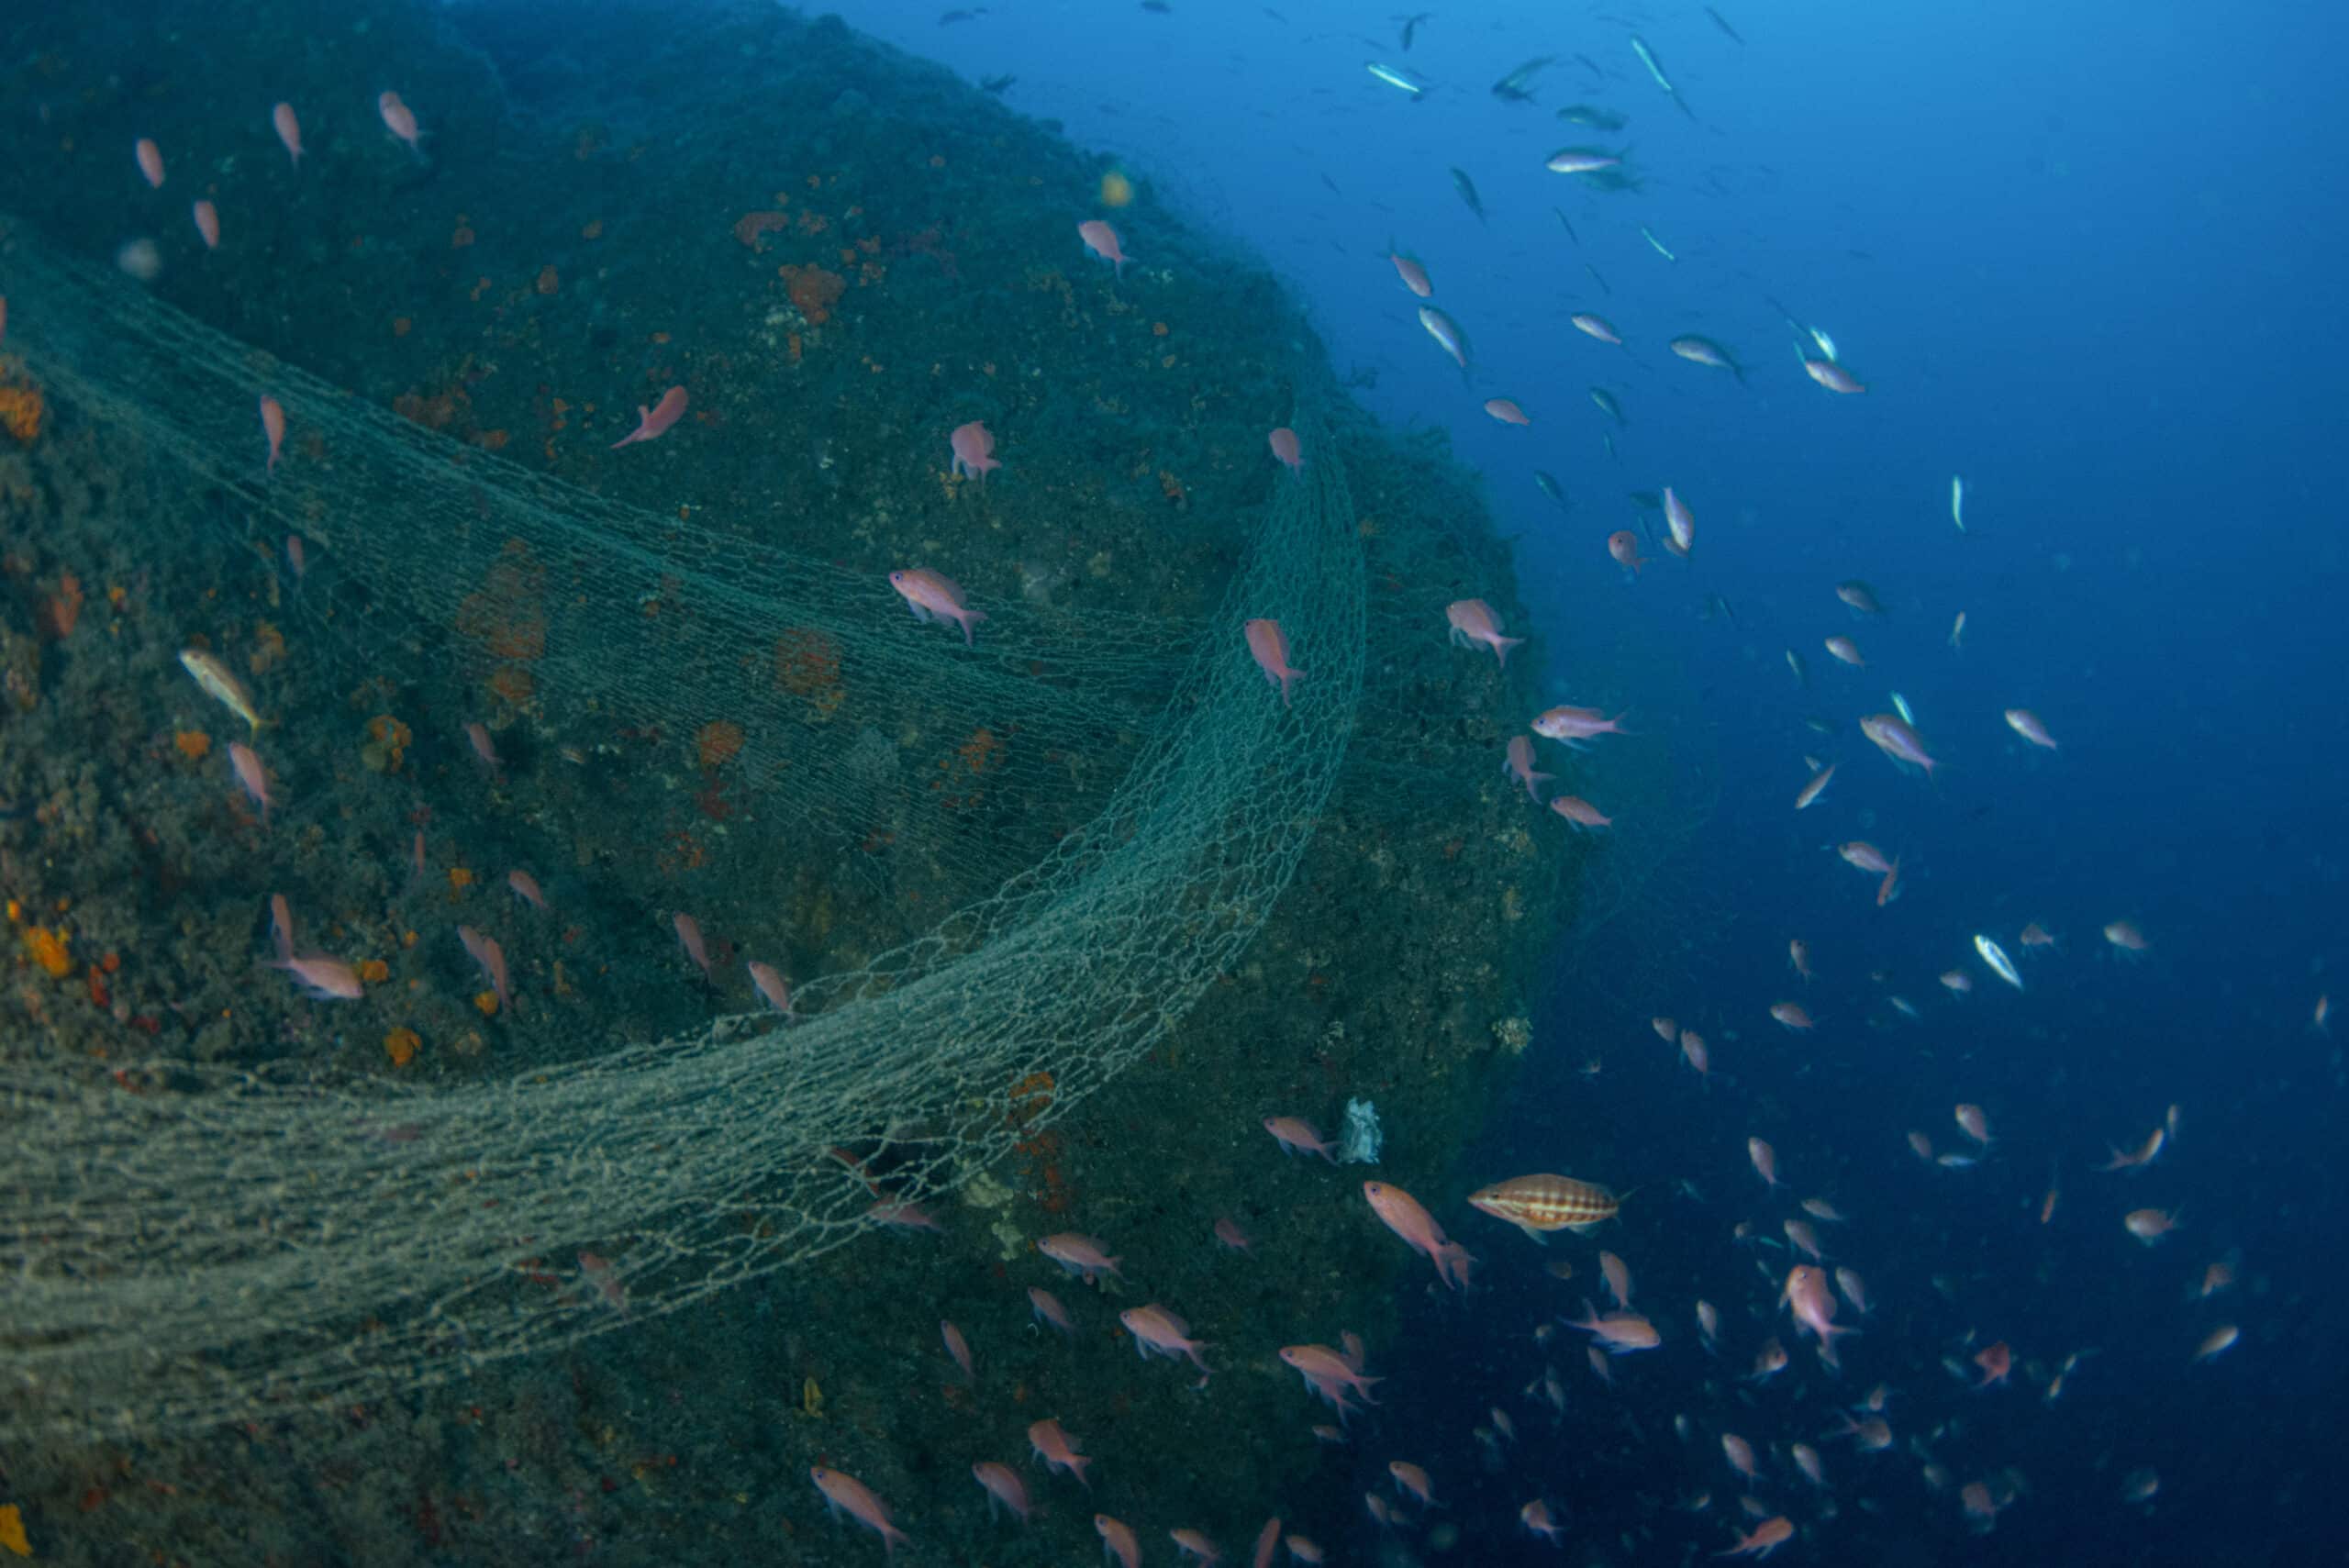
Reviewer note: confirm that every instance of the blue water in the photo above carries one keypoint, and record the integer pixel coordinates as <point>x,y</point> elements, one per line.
<point>2084,260</point>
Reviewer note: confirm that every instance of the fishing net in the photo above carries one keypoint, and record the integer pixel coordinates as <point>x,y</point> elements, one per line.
<point>190,1242</point>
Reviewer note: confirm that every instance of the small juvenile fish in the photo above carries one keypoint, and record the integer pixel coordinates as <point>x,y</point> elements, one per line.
<point>224,687</point>
<point>1658,244</point>
<point>654,423</point>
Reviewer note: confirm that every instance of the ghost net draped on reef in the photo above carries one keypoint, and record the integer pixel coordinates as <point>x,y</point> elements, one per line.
<point>186,1243</point>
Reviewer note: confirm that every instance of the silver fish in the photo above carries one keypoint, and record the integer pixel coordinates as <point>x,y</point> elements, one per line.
<point>1996,957</point>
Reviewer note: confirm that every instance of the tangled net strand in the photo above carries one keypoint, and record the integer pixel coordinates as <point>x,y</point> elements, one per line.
<point>182,1244</point>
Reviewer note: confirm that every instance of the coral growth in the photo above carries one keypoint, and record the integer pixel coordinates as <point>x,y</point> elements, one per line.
<point>814,291</point>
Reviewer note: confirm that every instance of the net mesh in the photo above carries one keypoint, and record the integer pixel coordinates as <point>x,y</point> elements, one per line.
<point>185,1243</point>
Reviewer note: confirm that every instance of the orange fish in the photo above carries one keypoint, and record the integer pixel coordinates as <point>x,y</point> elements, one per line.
<point>400,120</point>
<point>934,597</point>
<point>654,422</point>
<point>289,130</point>
<point>1580,812</point>
<point>1543,1202</point>
<point>1405,1216</point>
<point>1102,240</point>
<point>845,1493</point>
<point>1766,1538</point>
<point>1269,645</point>
<point>1472,621</point>
<point>272,424</point>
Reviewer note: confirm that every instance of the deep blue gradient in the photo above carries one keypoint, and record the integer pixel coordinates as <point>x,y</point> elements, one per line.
<point>2085,258</point>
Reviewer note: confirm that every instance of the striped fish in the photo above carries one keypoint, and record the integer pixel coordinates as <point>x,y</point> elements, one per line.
<point>1538,1203</point>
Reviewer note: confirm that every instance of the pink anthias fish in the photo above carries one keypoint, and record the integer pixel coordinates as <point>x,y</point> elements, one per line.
<point>281,926</point>
<point>526,888</point>
<point>492,959</point>
<point>1284,442</point>
<point>1046,1308</point>
<point>1807,1295</point>
<point>1331,1376</point>
<point>959,1348</point>
<point>272,424</point>
<point>1474,622</point>
<point>1058,1450</point>
<point>846,1494</point>
<point>246,764</point>
<point>1619,1333</point>
<point>1506,410</point>
<point>322,979</point>
<point>973,450</point>
<point>654,423</point>
<point>1412,1481</point>
<point>1231,1236</point>
<point>1296,1135</point>
<point>1580,813</point>
<point>1765,1161</point>
<point>1118,1540</point>
<point>1577,724</point>
<point>477,735</point>
<point>933,597</point>
<point>1414,275</point>
<point>1405,1216</point>
<point>1893,736</point>
<point>150,160</point>
<point>1518,765</point>
<point>1102,240</point>
<point>1004,1488</point>
<point>1269,645</point>
<point>688,931</point>
<point>1624,546</point>
<point>207,224</point>
<point>1792,1015</point>
<point>1083,1256</point>
<point>400,120</point>
<point>772,987</point>
<point>1158,1331</point>
<point>289,131</point>
<point>1268,1540</point>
